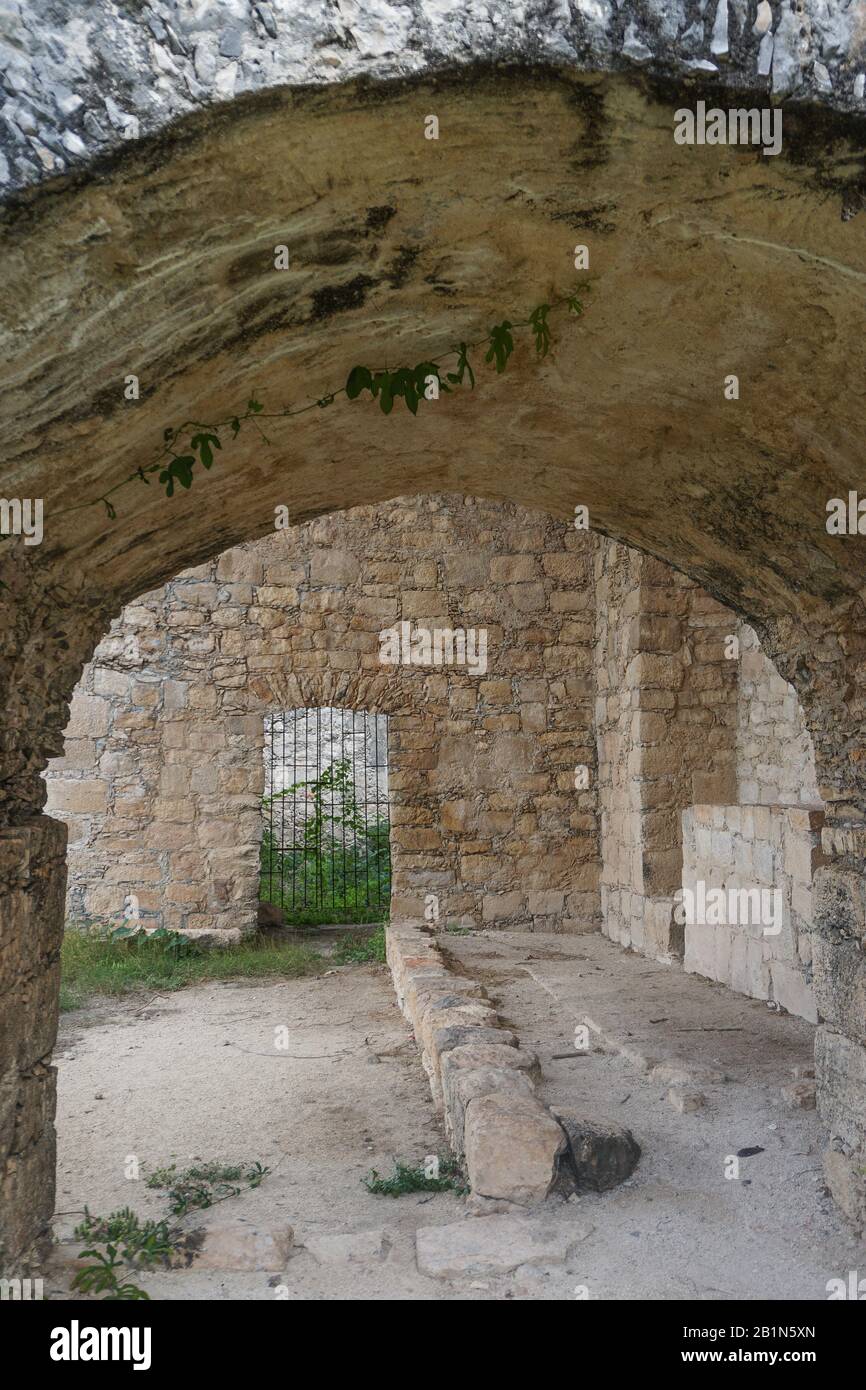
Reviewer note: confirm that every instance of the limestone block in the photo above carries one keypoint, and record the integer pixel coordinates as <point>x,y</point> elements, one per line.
<point>792,990</point>
<point>514,1148</point>
<point>466,1084</point>
<point>89,716</point>
<point>460,1016</point>
<point>239,1247</point>
<point>444,1039</point>
<point>80,796</point>
<point>492,1245</point>
<point>548,901</point>
<point>840,1069</point>
<point>839,966</point>
<point>356,1247</point>
<point>333,567</point>
<point>845,1173</point>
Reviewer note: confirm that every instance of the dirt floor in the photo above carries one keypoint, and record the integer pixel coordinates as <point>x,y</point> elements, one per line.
<point>196,1075</point>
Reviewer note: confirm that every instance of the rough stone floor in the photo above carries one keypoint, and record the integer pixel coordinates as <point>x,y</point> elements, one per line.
<point>195,1075</point>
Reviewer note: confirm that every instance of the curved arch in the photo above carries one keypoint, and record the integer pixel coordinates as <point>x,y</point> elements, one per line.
<point>704,262</point>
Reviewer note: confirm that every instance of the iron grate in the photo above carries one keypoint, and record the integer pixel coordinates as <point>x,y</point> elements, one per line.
<point>325,843</point>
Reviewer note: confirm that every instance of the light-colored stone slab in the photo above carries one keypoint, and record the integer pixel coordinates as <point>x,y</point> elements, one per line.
<point>240,1247</point>
<point>492,1245</point>
<point>350,1247</point>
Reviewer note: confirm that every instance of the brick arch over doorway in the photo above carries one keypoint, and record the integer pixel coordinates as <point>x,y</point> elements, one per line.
<point>157,265</point>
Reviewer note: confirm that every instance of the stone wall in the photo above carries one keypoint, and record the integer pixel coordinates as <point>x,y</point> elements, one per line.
<point>162,779</point>
<point>769,841</point>
<point>100,284</point>
<point>31,926</point>
<point>766,954</point>
<point>515,1149</point>
<point>666,715</point>
<point>775,757</point>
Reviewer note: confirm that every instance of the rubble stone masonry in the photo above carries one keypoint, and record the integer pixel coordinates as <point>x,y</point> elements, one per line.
<point>162,779</point>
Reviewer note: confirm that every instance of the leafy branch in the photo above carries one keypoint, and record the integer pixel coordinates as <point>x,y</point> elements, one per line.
<point>195,442</point>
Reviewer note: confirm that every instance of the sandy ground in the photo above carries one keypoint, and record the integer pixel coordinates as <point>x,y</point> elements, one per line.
<point>678,1228</point>
<point>196,1075</point>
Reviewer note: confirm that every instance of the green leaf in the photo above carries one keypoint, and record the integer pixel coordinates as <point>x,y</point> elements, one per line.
<point>236,427</point>
<point>540,327</point>
<point>382,388</point>
<point>205,443</point>
<point>575,305</point>
<point>254,406</point>
<point>178,470</point>
<point>463,367</point>
<point>359,379</point>
<point>403,384</point>
<point>501,345</point>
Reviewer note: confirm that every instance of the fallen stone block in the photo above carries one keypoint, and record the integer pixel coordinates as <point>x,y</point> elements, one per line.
<point>348,1248</point>
<point>491,1245</point>
<point>514,1148</point>
<point>603,1154</point>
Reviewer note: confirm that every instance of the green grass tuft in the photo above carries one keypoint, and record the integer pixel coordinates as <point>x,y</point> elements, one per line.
<point>358,948</point>
<point>92,964</point>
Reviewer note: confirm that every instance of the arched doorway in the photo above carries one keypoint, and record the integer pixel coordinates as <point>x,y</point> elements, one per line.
<point>684,282</point>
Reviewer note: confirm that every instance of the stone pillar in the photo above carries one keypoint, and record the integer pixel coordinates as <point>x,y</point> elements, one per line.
<point>839,957</point>
<point>32,892</point>
<point>666,728</point>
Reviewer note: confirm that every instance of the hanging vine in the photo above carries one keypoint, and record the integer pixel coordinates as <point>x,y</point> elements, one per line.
<point>196,443</point>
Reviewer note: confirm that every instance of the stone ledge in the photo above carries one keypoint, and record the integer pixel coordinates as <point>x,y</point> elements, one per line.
<point>515,1149</point>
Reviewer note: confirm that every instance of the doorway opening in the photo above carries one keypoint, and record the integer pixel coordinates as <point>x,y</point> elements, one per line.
<point>325,853</point>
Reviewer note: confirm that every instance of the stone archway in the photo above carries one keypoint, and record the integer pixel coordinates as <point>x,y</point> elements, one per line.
<point>162,780</point>
<point>703,262</point>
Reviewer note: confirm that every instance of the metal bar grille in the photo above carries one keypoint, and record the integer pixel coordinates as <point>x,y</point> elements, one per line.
<point>325,843</point>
